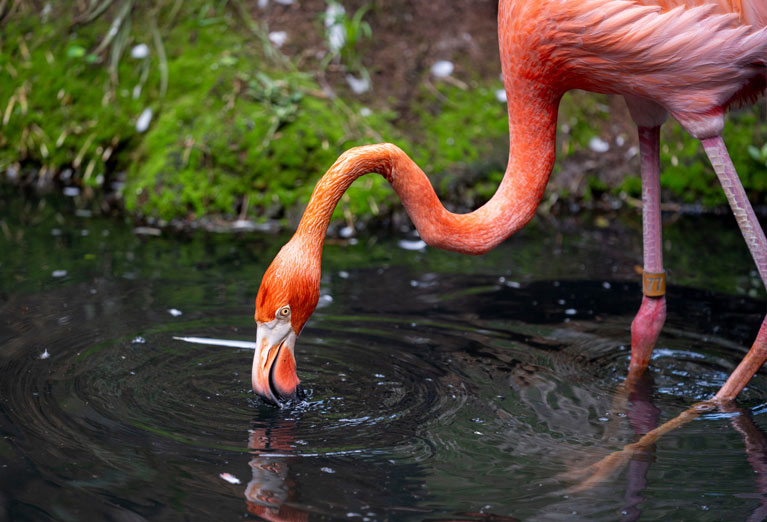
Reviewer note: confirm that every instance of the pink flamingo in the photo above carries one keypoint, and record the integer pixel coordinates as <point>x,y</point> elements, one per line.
<point>692,59</point>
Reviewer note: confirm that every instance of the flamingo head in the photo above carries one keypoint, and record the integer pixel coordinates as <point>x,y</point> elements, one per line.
<point>287,297</point>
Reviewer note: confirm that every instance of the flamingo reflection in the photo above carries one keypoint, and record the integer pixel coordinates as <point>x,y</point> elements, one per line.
<point>643,416</point>
<point>270,491</point>
<point>637,456</point>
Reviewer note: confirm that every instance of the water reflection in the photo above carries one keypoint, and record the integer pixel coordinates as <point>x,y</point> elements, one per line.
<point>441,386</point>
<point>755,442</point>
<point>270,489</point>
<point>638,456</point>
<point>643,416</point>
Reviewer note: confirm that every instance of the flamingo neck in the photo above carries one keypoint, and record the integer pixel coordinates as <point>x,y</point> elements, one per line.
<point>532,133</point>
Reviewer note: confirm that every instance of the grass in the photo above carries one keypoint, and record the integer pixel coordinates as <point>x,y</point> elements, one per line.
<point>686,174</point>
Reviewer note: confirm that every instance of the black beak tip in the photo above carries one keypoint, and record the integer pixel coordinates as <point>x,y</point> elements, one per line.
<point>283,401</point>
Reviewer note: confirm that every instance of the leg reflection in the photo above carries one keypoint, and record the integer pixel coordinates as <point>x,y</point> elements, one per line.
<point>755,442</point>
<point>643,416</point>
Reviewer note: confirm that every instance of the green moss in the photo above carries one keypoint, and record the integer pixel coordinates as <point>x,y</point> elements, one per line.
<point>460,126</point>
<point>462,140</point>
<point>59,108</point>
<point>202,156</point>
<point>234,126</point>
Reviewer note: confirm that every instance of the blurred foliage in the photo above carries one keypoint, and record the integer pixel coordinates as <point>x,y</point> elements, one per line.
<point>464,139</point>
<point>687,175</point>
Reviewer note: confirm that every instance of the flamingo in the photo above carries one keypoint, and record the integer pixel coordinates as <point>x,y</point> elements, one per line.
<point>692,59</point>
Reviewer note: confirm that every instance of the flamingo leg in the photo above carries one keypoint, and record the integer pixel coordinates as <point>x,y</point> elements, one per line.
<point>757,244</point>
<point>652,313</point>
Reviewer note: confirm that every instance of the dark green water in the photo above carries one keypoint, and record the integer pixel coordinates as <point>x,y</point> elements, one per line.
<point>440,387</point>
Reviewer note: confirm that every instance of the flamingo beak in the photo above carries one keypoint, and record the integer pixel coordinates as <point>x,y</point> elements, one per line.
<point>274,374</point>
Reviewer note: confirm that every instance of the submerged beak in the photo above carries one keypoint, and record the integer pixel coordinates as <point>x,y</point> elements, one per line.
<point>274,364</point>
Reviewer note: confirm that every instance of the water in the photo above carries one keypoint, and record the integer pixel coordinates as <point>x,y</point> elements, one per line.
<point>440,387</point>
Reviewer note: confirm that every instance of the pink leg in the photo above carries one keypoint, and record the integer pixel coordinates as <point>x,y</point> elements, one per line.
<point>757,244</point>
<point>652,313</point>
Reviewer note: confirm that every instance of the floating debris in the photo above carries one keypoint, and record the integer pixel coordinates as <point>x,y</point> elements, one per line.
<point>327,470</point>
<point>71,191</point>
<point>598,145</point>
<point>408,244</point>
<point>442,68</point>
<point>140,51</point>
<point>358,85</point>
<point>278,38</point>
<point>231,479</point>
<point>346,232</point>
<point>243,225</point>
<point>365,112</point>
<point>175,312</point>
<point>500,95</point>
<point>147,231</point>
<point>59,273</point>
<point>142,124</point>
<point>571,311</point>
<point>218,342</point>
<point>606,285</point>
<point>45,354</point>
<point>138,340</point>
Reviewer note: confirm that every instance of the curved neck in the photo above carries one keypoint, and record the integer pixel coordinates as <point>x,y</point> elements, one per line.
<point>532,139</point>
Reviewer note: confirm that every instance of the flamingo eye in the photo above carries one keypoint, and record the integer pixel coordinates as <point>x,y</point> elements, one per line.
<point>283,312</point>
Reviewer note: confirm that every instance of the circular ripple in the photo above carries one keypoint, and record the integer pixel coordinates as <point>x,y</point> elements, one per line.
<point>477,397</point>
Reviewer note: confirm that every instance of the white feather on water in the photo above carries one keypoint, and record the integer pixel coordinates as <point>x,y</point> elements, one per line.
<point>249,345</point>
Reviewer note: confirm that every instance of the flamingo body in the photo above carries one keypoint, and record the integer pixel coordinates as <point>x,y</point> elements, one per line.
<point>692,59</point>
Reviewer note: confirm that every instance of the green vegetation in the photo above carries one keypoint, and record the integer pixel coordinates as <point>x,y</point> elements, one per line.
<point>237,130</point>
<point>686,173</point>
<point>234,129</point>
<point>236,133</point>
<point>464,142</point>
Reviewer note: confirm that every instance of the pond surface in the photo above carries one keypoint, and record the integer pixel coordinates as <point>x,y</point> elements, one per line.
<point>439,386</point>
